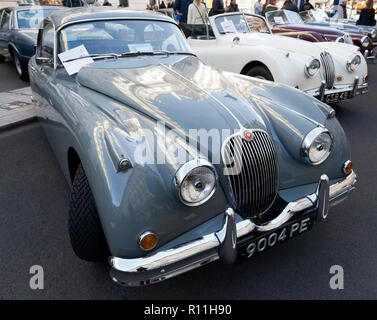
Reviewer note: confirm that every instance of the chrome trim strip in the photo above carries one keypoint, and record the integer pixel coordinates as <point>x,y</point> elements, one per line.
<point>157,262</point>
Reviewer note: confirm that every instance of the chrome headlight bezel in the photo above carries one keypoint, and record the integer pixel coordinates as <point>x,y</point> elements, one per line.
<point>351,65</point>
<point>185,170</point>
<point>364,41</point>
<point>309,70</point>
<point>310,139</point>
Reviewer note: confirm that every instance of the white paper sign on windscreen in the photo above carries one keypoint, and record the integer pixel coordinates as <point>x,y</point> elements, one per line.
<point>228,26</point>
<point>74,66</point>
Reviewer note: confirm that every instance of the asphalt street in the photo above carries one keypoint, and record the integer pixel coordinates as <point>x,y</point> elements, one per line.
<point>9,79</point>
<point>33,231</point>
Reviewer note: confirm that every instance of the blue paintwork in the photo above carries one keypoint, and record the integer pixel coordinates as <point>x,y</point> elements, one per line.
<point>98,112</point>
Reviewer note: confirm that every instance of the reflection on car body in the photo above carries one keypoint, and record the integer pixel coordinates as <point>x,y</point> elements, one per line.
<point>174,164</point>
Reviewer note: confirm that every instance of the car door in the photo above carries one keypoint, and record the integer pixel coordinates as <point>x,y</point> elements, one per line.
<point>5,31</point>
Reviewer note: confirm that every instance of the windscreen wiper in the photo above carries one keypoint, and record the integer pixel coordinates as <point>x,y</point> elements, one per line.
<point>154,53</point>
<point>95,57</point>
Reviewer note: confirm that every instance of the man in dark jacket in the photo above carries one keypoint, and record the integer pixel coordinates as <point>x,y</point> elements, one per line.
<point>306,6</point>
<point>181,8</point>
<point>233,7</point>
<point>72,3</point>
<point>217,7</point>
<point>289,5</point>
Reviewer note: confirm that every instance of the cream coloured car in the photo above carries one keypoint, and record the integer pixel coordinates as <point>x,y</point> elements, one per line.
<point>243,43</point>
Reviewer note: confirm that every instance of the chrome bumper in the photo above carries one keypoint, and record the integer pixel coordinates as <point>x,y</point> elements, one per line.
<point>355,89</point>
<point>222,244</point>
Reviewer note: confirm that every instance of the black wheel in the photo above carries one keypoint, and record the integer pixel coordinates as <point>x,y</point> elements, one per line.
<point>2,59</point>
<point>85,229</point>
<point>260,72</point>
<point>21,66</point>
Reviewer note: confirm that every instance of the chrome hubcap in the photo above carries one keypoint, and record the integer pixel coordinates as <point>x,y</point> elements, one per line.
<point>17,62</point>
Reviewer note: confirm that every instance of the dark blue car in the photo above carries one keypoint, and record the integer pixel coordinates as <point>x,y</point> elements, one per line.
<point>18,34</point>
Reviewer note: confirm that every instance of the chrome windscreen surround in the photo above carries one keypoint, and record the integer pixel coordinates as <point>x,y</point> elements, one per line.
<point>328,69</point>
<point>250,164</point>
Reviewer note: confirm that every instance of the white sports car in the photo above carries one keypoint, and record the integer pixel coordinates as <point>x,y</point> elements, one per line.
<point>243,43</point>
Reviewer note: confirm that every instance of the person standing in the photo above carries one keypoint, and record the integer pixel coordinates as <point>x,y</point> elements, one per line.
<point>72,3</point>
<point>217,7</point>
<point>343,7</point>
<point>123,3</point>
<point>367,15</point>
<point>196,13</point>
<point>270,6</point>
<point>258,7</point>
<point>233,6</point>
<point>289,5</point>
<point>306,6</point>
<point>106,3</point>
<point>181,9</point>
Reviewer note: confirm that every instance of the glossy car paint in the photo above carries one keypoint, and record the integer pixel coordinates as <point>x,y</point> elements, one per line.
<point>98,113</point>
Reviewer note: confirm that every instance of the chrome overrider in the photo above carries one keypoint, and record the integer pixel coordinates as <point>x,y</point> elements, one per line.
<point>222,244</point>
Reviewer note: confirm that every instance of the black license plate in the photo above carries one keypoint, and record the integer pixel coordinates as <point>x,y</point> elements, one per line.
<point>338,96</point>
<point>249,247</point>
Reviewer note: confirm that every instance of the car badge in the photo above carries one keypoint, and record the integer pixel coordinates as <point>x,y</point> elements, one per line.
<point>248,135</point>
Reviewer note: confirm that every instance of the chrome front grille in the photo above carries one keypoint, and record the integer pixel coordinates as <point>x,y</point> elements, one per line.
<point>251,168</point>
<point>328,69</point>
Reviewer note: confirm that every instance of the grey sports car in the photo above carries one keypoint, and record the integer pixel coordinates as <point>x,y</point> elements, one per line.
<point>173,164</point>
<point>18,34</point>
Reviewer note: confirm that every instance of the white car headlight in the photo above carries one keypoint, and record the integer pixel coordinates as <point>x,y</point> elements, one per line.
<point>317,146</point>
<point>195,182</point>
<point>353,62</point>
<point>312,67</point>
<point>364,41</point>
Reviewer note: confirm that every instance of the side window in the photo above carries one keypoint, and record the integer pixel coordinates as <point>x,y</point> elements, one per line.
<point>5,20</point>
<point>257,24</point>
<point>47,41</point>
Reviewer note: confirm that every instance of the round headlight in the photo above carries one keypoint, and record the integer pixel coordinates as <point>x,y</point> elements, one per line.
<point>364,41</point>
<point>353,62</point>
<point>311,67</point>
<point>317,146</point>
<point>195,182</point>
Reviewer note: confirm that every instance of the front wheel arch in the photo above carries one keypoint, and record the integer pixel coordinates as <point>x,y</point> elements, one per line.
<point>253,64</point>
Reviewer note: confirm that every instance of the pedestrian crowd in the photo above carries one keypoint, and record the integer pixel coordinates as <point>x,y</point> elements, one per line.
<point>195,11</point>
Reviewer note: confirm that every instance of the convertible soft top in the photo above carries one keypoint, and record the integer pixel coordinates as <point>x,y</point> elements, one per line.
<point>62,17</point>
